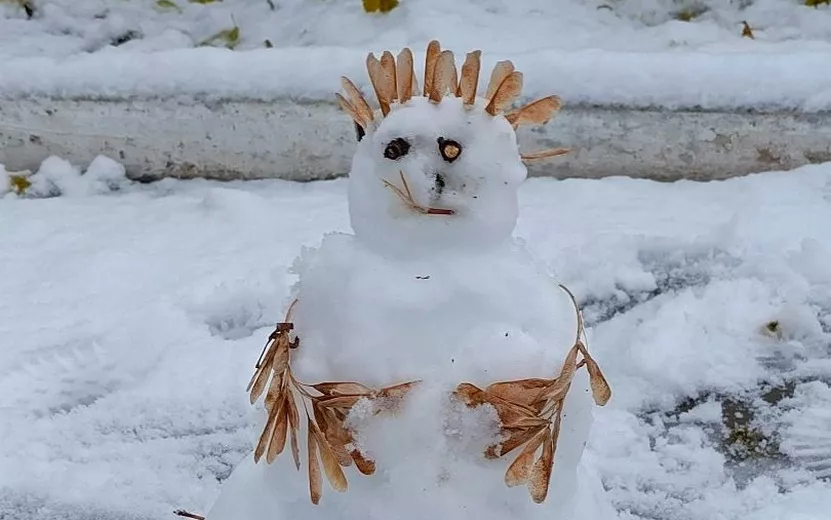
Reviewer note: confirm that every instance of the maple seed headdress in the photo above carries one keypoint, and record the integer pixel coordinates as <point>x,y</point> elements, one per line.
<point>394,81</point>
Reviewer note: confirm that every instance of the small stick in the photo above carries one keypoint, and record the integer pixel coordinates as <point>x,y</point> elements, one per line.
<point>182,512</point>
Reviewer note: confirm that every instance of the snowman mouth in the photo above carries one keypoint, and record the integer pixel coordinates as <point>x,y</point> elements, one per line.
<point>407,198</point>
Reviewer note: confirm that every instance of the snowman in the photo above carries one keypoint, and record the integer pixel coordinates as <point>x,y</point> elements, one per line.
<point>427,366</point>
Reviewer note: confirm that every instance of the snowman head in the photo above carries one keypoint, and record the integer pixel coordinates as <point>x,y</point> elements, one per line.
<point>438,167</point>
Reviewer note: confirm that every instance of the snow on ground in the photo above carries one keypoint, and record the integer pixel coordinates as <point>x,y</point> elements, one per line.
<point>130,322</point>
<point>593,51</point>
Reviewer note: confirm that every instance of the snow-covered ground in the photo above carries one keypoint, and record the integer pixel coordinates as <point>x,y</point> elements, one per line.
<point>632,52</point>
<point>130,321</point>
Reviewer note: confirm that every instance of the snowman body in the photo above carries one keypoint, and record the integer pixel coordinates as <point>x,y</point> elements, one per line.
<point>431,287</point>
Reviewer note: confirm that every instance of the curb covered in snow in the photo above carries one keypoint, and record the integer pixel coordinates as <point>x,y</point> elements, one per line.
<point>240,139</point>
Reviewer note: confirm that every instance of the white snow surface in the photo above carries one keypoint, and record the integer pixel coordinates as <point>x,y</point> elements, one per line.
<point>130,322</point>
<point>626,52</point>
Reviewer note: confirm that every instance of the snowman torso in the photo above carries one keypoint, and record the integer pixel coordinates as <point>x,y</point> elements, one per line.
<point>459,318</point>
<point>485,317</point>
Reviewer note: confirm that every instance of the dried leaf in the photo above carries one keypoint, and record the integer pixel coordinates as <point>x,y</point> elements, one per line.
<point>520,468</point>
<point>433,51</point>
<point>339,401</point>
<point>347,107</point>
<point>334,473</point>
<point>540,476</point>
<point>516,438</point>
<point>295,449</point>
<point>505,93</point>
<point>515,420</point>
<point>294,417</point>
<point>357,100</point>
<point>509,413</point>
<point>315,481</point>
<point>260,377</point>
<point>278,439</point>
<point>388,66</point>
<point>470,394</point>
<point>265,437</point>
<point>336,434</point>
<point>275,390</point>
<point>521,391</point>
<point>364,465</point>
<point>470,77</point>
<point>600,387</point>
<point>380,83</point>
<point>538,112</point>
<point>257,384</point>
<point>544,154</point>
<point>393,396</point>
<point>559,388</point>
<point>405,75</point>
<point>281,355</point>
<point>500,71</point>
<point>444,76</point>
<point>342,388</point>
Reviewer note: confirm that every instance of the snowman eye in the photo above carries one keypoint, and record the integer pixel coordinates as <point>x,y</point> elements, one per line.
<point>396,149</point>
<point>450,150</point>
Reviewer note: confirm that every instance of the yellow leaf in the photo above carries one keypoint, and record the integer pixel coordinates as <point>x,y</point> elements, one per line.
<point>386,6</point>
<point>371,6</point>
<point>229,36</point>
<point>747,32</point>
<point>19,184</point>
<point>168,4</point>
<point>204,2</point>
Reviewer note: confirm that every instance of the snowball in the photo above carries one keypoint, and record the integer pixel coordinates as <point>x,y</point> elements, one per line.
<point>105,174</point>
<point>56,176</point>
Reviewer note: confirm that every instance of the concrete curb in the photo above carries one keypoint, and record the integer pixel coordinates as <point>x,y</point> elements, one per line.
<point>239,139</point>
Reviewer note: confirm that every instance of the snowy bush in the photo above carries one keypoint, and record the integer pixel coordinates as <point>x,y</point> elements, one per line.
<point>57,177</point>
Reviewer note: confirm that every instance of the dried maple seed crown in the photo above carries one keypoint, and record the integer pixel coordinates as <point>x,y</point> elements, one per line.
<point>393,81</point>
<point>530,413</point>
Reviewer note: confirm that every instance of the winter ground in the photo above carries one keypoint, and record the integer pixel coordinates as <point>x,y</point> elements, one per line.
<point>130,322</point>
<point>629,52</point>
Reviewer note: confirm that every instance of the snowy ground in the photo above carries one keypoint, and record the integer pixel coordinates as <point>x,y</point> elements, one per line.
<point>130,322</point>
<point>632,52</point>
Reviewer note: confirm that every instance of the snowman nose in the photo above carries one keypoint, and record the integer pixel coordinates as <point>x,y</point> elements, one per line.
<point>439,183</point>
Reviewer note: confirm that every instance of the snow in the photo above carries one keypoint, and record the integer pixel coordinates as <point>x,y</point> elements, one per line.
<point>588,51</point>
<point>131,320</point>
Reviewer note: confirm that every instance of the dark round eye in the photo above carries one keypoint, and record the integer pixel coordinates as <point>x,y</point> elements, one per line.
<point>396,149</point>
<point>450,150</point>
